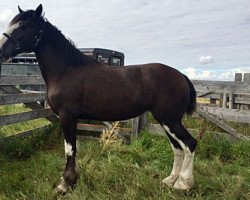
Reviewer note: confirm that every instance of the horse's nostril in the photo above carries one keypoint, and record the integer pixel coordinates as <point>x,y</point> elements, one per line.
<point>1,57</point>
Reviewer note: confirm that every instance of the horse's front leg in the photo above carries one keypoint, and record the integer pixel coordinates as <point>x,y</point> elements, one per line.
<point>71,171</point>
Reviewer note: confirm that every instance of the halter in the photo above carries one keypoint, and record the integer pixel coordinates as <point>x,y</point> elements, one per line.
<point>40,34</point>
<point>38,38</point>
<point>13,40</point>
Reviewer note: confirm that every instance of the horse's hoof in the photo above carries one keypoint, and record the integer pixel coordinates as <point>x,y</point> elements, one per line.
<point>170,180</point>
<point>62,187</point>
<point>184,183</point>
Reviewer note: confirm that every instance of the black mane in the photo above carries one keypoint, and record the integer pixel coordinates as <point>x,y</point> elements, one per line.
<point>65,47</point>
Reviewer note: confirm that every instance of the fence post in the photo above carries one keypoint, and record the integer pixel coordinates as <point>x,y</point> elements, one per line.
<point>238,77</point>
<point>143,122</point>
<point>224,102</point>
<point>246,78</point>
<point>135,124</point>
<point>231,100</point>
<point>221,100</point>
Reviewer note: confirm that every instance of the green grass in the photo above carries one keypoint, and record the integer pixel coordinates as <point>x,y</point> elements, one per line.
<point>121,171</point>
<point>29,167</point>
<point>22,126</point>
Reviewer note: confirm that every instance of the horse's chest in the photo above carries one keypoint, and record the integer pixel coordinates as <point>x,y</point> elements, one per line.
<point>54,99</point>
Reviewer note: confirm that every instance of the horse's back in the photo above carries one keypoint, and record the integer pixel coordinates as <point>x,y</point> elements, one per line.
<point>156,87</point>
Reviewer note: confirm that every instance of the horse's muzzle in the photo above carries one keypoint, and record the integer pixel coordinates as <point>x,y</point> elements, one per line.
<point>4,57</point>
<point>1,57</point>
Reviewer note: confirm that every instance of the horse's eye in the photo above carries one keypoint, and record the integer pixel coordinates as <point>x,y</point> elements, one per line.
<point>23,27</point>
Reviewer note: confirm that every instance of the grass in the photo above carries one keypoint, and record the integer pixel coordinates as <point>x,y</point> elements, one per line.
<point>22,126</point>
<point>121,171</point>
<point>111,170</point>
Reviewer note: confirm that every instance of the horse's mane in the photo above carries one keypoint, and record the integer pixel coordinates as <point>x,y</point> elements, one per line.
<point>65,47</point>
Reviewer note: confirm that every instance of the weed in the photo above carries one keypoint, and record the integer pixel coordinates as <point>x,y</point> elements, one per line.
<point>109,136</point>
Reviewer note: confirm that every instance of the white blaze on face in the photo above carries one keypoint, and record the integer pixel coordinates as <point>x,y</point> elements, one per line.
<point>68,149</point>
<point>9,30</point>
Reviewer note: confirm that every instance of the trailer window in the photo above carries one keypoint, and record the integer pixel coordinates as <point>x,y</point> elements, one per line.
<point>103,59</point>
<point>115,61</point>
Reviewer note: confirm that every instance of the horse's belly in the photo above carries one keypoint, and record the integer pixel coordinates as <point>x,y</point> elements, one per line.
<point>111,113</point>
<point>109,117</point>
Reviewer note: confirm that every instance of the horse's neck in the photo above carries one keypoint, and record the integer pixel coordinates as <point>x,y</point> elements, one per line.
<point>50,64</point>
<point>54,58</point>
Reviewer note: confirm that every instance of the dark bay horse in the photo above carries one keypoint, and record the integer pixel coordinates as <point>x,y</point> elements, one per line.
<point>79,87</point>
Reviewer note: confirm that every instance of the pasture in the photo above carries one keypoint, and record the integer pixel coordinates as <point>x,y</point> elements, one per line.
<point>29,167</point>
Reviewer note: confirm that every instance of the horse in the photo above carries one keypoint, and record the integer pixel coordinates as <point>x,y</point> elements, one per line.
<point>79,87</point>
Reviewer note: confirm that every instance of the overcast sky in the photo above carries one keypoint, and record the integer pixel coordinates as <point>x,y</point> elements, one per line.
<point>205,39</point>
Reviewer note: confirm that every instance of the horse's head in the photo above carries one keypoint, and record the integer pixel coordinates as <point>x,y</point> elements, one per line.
<point>23,33</point>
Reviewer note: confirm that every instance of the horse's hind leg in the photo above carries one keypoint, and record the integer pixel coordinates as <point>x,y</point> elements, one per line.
<point>187,143</point>
<point>178,159</point>
<point>71,172</point>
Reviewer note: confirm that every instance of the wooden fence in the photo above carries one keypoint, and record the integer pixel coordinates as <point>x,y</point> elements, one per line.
<point>227,100</point>
<point>9,95</point>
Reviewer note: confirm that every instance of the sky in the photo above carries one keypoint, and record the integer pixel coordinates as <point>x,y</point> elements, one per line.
<point>207,40</point>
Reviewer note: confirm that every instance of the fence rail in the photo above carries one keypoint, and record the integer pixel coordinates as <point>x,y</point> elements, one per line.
<point>221,87</point>
<point>25,116</point>
<point>21,80</point>
<point>8,99</point>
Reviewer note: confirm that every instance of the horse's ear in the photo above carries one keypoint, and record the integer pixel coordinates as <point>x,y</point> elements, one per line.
<point>20,10</point>
<point>38,11</point>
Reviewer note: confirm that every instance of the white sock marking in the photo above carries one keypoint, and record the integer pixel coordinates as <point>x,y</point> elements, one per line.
<point>62,188</point>
<point>187,165</point>
<point>68,149</point>
<point>178,160</point>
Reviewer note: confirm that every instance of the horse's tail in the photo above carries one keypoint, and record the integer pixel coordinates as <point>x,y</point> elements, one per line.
<point>192,97</point>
